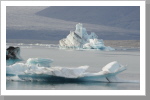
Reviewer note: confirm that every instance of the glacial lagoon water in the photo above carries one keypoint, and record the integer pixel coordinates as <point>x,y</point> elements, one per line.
<point>74,58</point>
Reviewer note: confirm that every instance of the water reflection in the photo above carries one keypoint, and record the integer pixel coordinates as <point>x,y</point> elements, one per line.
<point>93,85</point>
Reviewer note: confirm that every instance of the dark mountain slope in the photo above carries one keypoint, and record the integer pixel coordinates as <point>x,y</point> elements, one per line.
<point>127,17</point>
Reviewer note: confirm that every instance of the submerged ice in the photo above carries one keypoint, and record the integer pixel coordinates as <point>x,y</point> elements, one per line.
<point>32,71</point>
<point>81,39</point>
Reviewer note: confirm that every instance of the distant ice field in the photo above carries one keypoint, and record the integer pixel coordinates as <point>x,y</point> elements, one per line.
<point>95,59</point>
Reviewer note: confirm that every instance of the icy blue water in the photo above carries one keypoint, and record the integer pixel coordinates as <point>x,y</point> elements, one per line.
<point>74,58</point>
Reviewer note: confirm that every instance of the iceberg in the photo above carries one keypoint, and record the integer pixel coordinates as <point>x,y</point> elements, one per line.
<point>32,71</point>
<point>81,39</point>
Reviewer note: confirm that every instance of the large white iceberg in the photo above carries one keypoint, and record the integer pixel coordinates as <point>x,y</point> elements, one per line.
<point>81,39</point>
<point>32,71</point>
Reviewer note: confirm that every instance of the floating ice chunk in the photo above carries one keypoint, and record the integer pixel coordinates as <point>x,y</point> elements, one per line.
<point>33,71</point>
<point>41,62</point>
